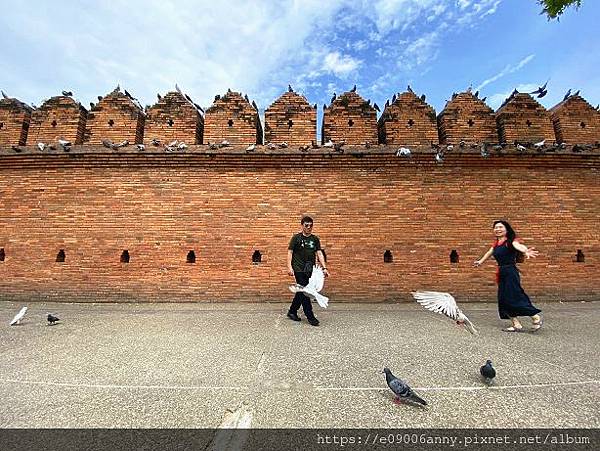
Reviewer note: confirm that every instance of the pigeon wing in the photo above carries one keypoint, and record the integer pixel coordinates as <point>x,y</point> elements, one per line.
<point>317,279</point>
<point>19,316</point>
<point>437,302</point>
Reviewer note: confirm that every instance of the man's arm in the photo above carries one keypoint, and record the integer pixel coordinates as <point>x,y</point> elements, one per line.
<point>321,259</point>
<point>289,262</point>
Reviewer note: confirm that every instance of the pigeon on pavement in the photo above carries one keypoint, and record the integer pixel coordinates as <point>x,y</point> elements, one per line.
<point>445,304</point>
<point>488,373</point>
<point>401,389</point>
<point>52,319</point>
<point>19,316</point>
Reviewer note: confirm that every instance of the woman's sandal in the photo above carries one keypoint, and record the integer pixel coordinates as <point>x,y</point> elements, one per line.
<point>537,325</point>
<point>513,329</point>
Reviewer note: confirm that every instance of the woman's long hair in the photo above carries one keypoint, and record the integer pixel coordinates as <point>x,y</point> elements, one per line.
<point>510,234</point>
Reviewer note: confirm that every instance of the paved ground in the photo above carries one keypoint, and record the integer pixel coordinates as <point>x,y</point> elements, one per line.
<point>183,365</point>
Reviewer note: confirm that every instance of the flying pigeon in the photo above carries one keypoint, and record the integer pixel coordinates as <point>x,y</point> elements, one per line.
<point>403,152</point>
<point>313,287</point>
<point>52,319</point>
<point>445,304</point>
<point>487,372</point>
<point>67,93</point>
<point>18,317</point>
<point>401,389</point>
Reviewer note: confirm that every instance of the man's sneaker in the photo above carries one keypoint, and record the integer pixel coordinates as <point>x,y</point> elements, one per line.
<point>313,321</point>
<point>293,316</point>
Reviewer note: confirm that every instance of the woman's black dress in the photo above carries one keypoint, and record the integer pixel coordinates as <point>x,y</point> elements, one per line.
<point>512,299</point>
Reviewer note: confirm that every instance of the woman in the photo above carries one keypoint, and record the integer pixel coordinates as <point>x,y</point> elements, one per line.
<point>512,299</point>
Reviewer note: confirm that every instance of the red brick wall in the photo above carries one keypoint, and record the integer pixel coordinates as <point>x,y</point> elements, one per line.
<point>291,119</point>
<point>161,206</point>
<point>60,117</point>
<point>576,121</point>
<point>14,122</point>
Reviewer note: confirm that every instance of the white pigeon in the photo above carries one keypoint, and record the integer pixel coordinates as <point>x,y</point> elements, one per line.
<point>540,144</point>
<point>312,288</point>
<point>403,152</point>
<point>182,146</point>
<point>251,148</point>
<point>521,148</point>
<point>445,304</point>
<point>19,316</point>
<point>329,144</point>
<point>41,146</point>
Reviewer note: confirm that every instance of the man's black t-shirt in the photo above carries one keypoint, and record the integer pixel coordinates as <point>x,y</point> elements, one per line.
<point>304,249</point>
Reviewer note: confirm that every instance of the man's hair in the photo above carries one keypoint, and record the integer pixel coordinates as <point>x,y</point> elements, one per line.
<point>306,219</point>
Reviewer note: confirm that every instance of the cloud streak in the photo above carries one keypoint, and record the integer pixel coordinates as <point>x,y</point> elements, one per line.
<point>508,69</point>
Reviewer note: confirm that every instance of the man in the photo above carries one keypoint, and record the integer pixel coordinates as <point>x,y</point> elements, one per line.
<point>303,248</point>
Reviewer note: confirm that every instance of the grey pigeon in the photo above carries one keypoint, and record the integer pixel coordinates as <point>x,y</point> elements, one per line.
<point>353,89</point>
<point>488,373</point>
<point>401,389</point>
<point>52,319</point>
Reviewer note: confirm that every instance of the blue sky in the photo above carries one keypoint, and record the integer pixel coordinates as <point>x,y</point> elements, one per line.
<point>319,46</point>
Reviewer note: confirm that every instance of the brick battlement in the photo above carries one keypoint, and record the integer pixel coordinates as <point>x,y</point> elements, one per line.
<point>233,119</point>
<point>60,117</point>
<point>174,118</point>
<point>291,119</point>
<point>350,118</point>
<point>467,118</point>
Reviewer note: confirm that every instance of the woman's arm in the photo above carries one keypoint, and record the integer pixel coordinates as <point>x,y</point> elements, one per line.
<point>528,251</point>
<point>487,255</point>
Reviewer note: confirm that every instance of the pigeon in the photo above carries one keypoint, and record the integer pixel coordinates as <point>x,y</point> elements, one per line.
<point>283,145</point>
<point>540,144</point>
<point>576,93</point>
<point>4,96</point>
<point>122,144</point>
<point>217,97</point>
<point>290,88</point>
<point>409,89</point>
<point>99,98</point>
<point>213,146</point>
<point>41,146</point>
<point>224,143</point>
<point>313,287</point>
<point>177,88</point>
<point>462,144</point>
<point>92,105</point>
<point>271,146</point>
<point>52,319</point>
<point>333,98</point>
<point>439,157</point>
<point>108,143</point>
<point>401,389</point>
<point>314,144</point>
<point>64,142</point>
<point>140,147</point>
<point>445,304</point>
<point>255,105</point>
<point>158,96</point>
<point>476,94</point>
<point>329,144</point>
<point>393,98</point>
<point>567,95</point>
<point>67,93</point>
<point>488,373</point>
<point>376,107</point>
<point>155,142</point>
<point>540,90</point>
<point>449,147</point>
<point>246,98</point>
<point>353,89</point>
<point>423,97</point>
<point>404,152</point>
<point>484,99</point>
<point>521,148</point>
<point>16,148</point>
<point>338,147</point>
<point>18,317</point>
<point>182,146</point>
<point>387,104</point>
<point>251,148</point>
<point>484,151</point>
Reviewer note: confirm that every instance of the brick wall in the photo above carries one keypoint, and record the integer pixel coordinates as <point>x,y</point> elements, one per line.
<point>232,118</point>
<point>60,117</point>
<point>350,118</point>
<point>226,206</point>
<point>291,119</point>
<point>14,122</point>
<point>521,118</point>
<point>467,118</point>
<point>172,118</point>
<point>408,121</point>
<point>575,121</point>
<point>116,117</point>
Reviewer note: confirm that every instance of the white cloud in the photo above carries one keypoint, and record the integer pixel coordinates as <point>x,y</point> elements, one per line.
<point>340,65</point>
<point>508,69</point>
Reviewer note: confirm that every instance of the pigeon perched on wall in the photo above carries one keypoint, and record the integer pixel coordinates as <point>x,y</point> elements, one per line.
<point>401,389</point>
<point>313,287</point>
<point>67,93</point>
<point>488,373</point>
<point>52,320</point>
<point>41,146</point>
<point>445,304</point>
<point>18,317</point>
<point>329,144</point>
<point>540,144</point>
<point>403,152</point>
<point>251,148</point>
